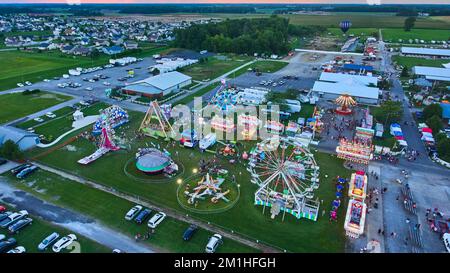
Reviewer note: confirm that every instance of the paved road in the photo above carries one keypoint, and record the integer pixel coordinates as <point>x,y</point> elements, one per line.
<point>71,220</point>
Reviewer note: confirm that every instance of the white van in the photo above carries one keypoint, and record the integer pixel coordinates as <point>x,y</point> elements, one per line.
<point>213,243</point>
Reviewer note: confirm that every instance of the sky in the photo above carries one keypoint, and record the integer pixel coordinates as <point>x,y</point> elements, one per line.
<point>236,1</point>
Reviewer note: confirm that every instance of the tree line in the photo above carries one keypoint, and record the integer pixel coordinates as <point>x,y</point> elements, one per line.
<point>243,36</point>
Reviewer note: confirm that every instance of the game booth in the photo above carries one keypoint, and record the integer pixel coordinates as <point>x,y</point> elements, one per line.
<point>355,218</point>
<point>358,185</point>
<point>114,115</point>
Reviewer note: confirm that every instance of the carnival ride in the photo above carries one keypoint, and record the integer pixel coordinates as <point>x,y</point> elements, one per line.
<point>358,185</point>
<point>156,122</point>
<point>249,125</point>
<point>227,150</point>
<point>208,187</point>
<point>106,145</point>
<point>344,103</point>
<point>153,161</point>
<point>287,175</point>
<point>222,124</point>
<point>189,138</point>
<point>358,150</point>
<point>114,116</point>
<point>225,98</point>
<point>355,218</point>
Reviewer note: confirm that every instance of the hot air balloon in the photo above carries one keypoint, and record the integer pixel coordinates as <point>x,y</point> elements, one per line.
<point>345,25</point>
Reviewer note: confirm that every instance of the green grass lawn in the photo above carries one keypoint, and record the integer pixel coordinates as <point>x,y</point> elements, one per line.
<point>214,67</point>
<point>199,93</point>
<point>31,236</point>
<point>363,33</point>
<point>262,66</point>
<point>415,61</point>
<point>110,210</point>
<point>59,113</point>
<point>245,218</point>
<point>394,34</point>
<point>14,106</point>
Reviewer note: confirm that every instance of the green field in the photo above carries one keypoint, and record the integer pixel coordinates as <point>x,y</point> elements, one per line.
<point>262,66</point>
<point>31,236</point>
<point>14,106</point>
<point>199,93</point>
<point>363,33</point>
<point>394,34</point>
<point>245,218</point>
<point>358,19</point>
<point>414,61</point>
<point>110,210</point>
<point>214,67</point>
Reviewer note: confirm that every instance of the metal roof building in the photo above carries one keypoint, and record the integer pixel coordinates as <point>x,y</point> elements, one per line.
<point>432,73</point>
<point>338,77</point>
<point>159,85</point>
<point>426,51</point>
<point>339,84</point>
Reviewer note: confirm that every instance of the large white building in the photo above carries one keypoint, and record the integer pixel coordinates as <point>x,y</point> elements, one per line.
<point>160,85</point>
<point>171,64</point>
<point>432,73</point>
<point>332,85</point>
<point>429,52</point>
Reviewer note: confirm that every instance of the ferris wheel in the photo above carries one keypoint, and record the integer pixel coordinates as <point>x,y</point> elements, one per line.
<point>286,174</point>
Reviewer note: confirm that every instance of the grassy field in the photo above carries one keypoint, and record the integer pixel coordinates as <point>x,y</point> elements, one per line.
<point>14,106</point>
<point>32,123</point>
<point>360,32</point>
<point>110,210</point>
<point>199,93</point>
<point>214,67</point>
<point>31,236</point>
<point>394,34</point>
<point>414,61</point>
<point>245,218</point>
<point>58,126</point>
<point>358,19</point>
<point>262,66</point>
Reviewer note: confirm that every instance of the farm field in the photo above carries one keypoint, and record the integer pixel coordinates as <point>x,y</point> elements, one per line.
<point>110,210</point>
<point>293,235</point>
<point>361,32</point>
<point>31,236</point>
<point>18,105</point>
<point>393,34</point>
<point>359,20</point>
<point>214,67</point>
<point>415,61</point>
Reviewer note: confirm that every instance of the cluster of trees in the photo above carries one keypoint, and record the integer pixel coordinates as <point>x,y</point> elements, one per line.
<point>409,23</point>
<point>10,150</point>
<point>249,36</point>
<point>432,115</point>
<point>388,112</point>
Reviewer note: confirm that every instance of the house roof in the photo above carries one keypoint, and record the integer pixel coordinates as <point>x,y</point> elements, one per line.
<point>164,81</point>
<point>426,51</point>
<point>14,134</point>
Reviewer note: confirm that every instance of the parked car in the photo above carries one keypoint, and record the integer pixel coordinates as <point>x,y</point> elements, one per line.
<point>446,239</point>
<point>64,242</point>
<point>19,168</point>
<point>4,215</point>
<point>20,84</point>
<point>142,216</point>
<point>133,212</point>
<point>7,245</point>
<point>50,115</point>
<point>156,219</point>
<point>46,80</point>
<point>31,130</point>
<point>28,83</point>
<point>2,209</point>
<point>189,232</point>
<point>27,171</point>
<point>14,217</point>
<point>38,119</point>
<point>48,241</point>
<point>213,243</point>
<point>17,250</point>
<point>89,88</point>
<point>14,228</point>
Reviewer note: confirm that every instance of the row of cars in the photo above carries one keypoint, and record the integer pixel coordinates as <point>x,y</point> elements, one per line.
<point>27,83</point>
<point>140,214</point>
<point>273,83</point>
<point>24,170</point>
<point>16,221</point>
